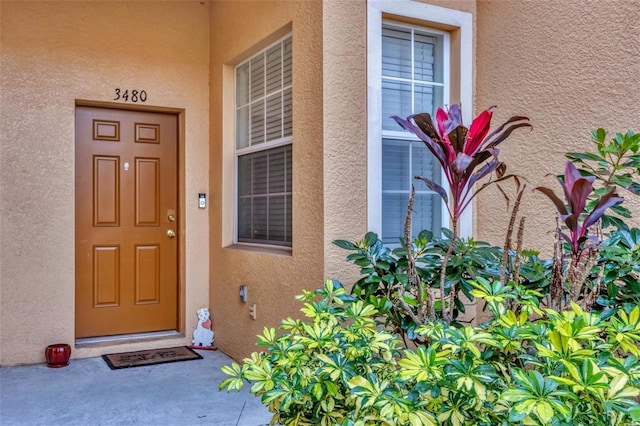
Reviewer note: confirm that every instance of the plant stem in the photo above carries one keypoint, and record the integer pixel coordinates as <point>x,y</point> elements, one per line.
<point>425,307</point>
<point>516,266</point>
<point>613,169</point>
<point>447,314</point>
<point>507,240</point>
<point>556,287</point>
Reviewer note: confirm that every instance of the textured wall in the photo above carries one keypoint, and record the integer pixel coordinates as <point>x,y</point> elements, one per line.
<point>53,53</point>
<point>345,131</point>
<point>238,29</point>
<point>571,67</point>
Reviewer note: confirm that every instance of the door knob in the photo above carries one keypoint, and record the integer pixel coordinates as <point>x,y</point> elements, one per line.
<point>171,233</point>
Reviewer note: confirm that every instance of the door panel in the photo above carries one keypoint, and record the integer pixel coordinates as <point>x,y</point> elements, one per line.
<point>147,191</point>
<point>126,186</point>
<point>106,191</point>
<point>147,274</point>
<point>106,276</point>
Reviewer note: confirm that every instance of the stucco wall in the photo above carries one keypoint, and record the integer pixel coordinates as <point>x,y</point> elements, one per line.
<point>571,67</point>
<point>345,132</point>
<point>54,52</point>
<point>239,29</point>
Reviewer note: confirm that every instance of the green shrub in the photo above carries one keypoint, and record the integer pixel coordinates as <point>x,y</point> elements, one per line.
<point>529,367</point>
<point>618,269</point>
<point>307,372</point>
<point>613,164</point>
<point>385,278</point>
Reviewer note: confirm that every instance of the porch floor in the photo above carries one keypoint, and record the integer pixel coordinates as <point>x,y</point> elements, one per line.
<point>87,392</point>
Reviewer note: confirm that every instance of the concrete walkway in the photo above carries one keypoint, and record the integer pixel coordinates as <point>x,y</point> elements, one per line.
<point>87,392</point>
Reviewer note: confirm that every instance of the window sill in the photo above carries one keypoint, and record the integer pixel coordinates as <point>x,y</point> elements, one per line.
<point>263,249</point>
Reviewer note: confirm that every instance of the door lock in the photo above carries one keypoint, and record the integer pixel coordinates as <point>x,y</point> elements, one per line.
<point>171,233</point>
<point>171,218</point>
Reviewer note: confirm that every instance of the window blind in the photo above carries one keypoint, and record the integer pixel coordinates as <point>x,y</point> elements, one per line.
<point>264,196</point>
<point>264,96</point>
<point>264,118</point>
<point>412,82</point>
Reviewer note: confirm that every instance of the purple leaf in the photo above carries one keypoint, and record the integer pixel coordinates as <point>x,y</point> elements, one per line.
<point>425,123</point>
<point>571,220</point>
<point>577,195</point>
<point>454,119</point>
<point>608,200</point>
<point>500,179</point>
<point>571,174</point>
<point>480,157</point>
<point>502,136</point>
<point>565,237</point>
<point>502,126</point>
<point>577,189</point>
<point>485,170</point>
<point>457,138</point>
<point>554,198</point>
<point>435,149</point>
<point>435,188</point>
<point>593,240</point>
<point>462,162</point>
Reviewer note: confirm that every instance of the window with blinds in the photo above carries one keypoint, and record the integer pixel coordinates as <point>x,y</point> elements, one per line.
<point>263,146</point>
<point>412,82</point>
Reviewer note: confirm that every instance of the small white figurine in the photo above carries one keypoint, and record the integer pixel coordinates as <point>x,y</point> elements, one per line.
<point>203,335</point>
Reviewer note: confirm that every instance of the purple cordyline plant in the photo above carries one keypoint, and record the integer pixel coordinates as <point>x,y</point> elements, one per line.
<point>576,191</point>
<point>460,151</point>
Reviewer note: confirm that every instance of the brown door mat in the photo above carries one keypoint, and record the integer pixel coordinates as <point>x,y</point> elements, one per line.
<point>150,357</point>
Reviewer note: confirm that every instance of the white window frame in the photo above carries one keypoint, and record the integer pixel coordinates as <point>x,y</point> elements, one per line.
<point>440,15</point>
<point>264,146</point>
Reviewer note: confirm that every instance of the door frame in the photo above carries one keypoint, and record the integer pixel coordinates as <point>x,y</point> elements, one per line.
<point>180,114</point>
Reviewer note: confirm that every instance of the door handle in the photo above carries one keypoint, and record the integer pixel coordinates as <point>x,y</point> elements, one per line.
<point>171,233</point>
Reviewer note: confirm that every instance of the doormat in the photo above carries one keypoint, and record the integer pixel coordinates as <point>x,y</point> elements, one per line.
<point>149,357</point>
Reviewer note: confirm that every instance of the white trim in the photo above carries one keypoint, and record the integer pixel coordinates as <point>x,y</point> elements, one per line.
<point>407,80</point>
<point>263,146</point>
<point>412,9</point>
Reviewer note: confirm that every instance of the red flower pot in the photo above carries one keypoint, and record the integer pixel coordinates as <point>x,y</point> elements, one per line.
<point>58,355</point>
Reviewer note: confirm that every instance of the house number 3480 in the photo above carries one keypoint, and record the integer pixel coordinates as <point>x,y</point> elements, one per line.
<point>130,95</point>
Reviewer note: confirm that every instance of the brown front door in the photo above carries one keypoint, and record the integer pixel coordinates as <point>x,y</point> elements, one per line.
<point>126,221</point>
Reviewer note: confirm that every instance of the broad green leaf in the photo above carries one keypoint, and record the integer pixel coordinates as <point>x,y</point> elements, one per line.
<point>347,245</point>
<point>544,411</point>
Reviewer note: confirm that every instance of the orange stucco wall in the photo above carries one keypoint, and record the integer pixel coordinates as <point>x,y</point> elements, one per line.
<point>272,278</point>
<point>345,132</point>
<point>52,53</point>
<point>571,67</point>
